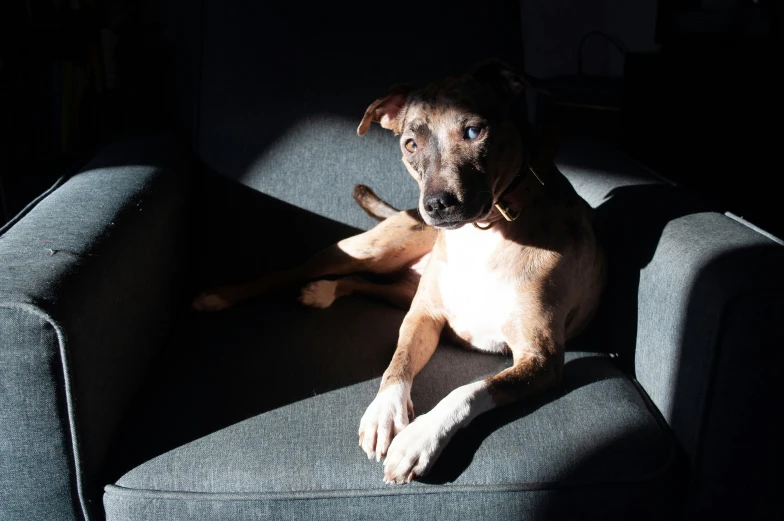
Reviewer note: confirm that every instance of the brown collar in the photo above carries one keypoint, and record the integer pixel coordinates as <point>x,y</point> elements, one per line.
<point>503,207</point>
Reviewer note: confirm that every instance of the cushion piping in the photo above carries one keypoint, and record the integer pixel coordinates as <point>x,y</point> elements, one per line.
<point>69,402</point>
<point>349,493</point>
<point>32,204</point>
<point>67,174</point>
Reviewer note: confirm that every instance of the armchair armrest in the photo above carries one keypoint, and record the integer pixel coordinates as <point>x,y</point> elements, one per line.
<point>693,310</point>
<point>89,284</point>
<point>701,345</point>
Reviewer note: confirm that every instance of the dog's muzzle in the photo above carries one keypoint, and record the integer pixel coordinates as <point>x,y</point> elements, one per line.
<point>444,210</point>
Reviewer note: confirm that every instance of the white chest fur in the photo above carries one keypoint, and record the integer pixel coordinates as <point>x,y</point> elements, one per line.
<point>478,301</point>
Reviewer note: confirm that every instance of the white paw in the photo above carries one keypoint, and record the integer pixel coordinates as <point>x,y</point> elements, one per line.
<point>210,302</point>
<point>384,419</point>
<point>319,294</point>
<point>415,449</point>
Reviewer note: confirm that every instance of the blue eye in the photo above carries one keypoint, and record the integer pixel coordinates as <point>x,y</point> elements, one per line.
<point>473,132</point>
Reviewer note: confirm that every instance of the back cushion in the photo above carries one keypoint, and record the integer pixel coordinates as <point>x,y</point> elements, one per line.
<point>285,85</point>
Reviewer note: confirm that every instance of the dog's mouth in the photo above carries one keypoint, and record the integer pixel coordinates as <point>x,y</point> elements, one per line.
<point>454,224</point>
<point>450,225</point>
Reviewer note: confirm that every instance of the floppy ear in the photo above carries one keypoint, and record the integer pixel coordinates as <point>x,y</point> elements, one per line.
<point>387,110</point>
<point>504,78</point>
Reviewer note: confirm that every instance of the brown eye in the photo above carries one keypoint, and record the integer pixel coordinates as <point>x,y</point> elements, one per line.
<point>411,146</point>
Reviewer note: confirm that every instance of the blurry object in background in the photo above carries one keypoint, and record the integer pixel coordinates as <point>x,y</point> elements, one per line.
<point>108,44</point>
<point>75,75</point>
<point>586,103</point>
<point>701,110</point>
<point>50,86</point>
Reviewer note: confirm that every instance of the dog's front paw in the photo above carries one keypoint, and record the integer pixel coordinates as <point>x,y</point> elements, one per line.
<point>414,450</point>
<point>384,419</point>
<point>319,294</point>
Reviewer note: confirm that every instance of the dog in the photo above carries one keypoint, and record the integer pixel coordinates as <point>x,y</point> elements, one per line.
<point>501,254</point>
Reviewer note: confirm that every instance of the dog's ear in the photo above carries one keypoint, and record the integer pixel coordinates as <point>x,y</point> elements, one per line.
<point>504,78</point>
<point>500,76</point>
<point>387,110</point>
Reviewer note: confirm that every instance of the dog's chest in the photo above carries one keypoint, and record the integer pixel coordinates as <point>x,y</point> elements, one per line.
<point>478,298</point>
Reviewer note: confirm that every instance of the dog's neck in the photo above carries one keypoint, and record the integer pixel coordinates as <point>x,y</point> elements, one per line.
<point>514,198</point>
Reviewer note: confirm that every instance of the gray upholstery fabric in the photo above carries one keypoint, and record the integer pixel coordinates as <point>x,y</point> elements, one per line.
<point>600,171</point>
<point>314,372</point>
<point>88,285</point>
<point>739,467</point>
<point>702,262</point>
<point>35,449</point>
<point>285,123</point>
<point>630,501</point>
<point>676,265</point>
<point>243,232</point>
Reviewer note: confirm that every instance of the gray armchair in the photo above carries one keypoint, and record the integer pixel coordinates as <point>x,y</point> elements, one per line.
<point>116,401</point>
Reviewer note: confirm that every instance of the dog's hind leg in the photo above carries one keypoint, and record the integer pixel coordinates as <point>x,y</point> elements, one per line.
<point>400,293</point>
<point>392,245</point>
<point>375,207</point>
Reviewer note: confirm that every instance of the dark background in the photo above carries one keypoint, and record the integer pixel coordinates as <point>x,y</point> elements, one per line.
<point>689,88</point>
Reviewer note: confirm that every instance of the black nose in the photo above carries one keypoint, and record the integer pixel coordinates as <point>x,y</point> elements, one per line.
<point>439,204</point>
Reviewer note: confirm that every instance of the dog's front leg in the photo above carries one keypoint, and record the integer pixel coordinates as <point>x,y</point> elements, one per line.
<point>538,363</point>
<point>388,414</point>
<point>414,451</point>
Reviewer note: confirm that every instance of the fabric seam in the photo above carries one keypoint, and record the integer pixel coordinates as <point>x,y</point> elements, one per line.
<point>351,493</point>
<point>74,439</point>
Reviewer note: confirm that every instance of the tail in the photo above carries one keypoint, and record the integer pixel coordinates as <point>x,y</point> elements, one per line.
<point>372,204</point>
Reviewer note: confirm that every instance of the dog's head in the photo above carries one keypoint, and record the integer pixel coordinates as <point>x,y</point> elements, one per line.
<point>461,141</point>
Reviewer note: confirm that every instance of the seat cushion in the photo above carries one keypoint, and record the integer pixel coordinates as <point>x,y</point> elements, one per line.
<point>260,407</point>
